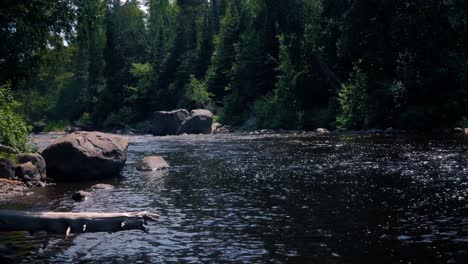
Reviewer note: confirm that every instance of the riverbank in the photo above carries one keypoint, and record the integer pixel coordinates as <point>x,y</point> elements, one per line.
<point>9,190</point>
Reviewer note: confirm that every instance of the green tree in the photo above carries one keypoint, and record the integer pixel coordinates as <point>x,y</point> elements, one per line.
<point>126,43</point>
<point>26,29</point>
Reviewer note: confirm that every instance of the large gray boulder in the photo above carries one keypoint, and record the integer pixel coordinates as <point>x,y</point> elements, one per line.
<point>86,156</point>
<point>199,122</point>
<point>168,122</point>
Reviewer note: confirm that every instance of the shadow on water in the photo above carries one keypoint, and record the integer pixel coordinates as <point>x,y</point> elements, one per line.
<point>289,198</point>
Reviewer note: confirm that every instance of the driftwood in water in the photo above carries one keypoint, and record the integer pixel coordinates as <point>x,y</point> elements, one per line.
<point>66,223</point>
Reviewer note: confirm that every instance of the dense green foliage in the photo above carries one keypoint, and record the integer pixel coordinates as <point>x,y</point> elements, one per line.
<point>13,129</point>
<point>284,63</point>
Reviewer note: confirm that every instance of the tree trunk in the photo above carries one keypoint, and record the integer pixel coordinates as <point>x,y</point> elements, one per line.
<point>66,223</point>
<point>214,6</point>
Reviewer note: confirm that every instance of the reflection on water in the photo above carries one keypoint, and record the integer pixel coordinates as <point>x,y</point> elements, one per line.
<point>289,198</point>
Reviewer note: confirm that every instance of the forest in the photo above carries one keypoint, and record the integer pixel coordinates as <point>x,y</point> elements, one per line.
<point>291,64</point>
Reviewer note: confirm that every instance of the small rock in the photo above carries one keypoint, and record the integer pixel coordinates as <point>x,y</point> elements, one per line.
<point>215,126</point>
<point>36,159</point>
<point>72,129</point>
<point>374,131</point>
<point>36,184</point>
<point>28,172</point>
<point>152,163</point>
<point>102,186</point>
<point>81,195</point>
<point>322,131</point>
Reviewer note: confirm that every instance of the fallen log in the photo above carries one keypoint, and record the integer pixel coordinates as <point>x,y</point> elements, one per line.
<point>66,223</point>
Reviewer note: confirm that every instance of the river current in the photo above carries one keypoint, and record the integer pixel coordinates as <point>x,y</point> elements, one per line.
<point>270,198</point>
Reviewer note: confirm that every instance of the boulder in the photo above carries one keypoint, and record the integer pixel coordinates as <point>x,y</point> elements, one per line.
<point>152,163</point>
<point>8,150</point>
<point>7,168</point>
<point>38,127</point>
<point>28,172</point>
<point>168,122</point>
<point>199,122</point>
<point>215,127</point>
<point>458,131</point>
<point>86,156</point>
<point>36,159</point>
<point>202,112</point>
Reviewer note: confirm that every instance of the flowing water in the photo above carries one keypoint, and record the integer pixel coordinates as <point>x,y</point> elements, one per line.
<point>276,198</point>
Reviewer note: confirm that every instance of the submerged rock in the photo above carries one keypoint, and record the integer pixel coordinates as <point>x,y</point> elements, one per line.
<point>81,195</point>
<point>102,186</point>
<point>199,122</point>
<point>168,122</point>
<point>86,156</point>
<point>152,163</point>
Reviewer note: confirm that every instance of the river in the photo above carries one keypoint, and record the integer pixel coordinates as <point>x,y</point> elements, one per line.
<point>271,198</point>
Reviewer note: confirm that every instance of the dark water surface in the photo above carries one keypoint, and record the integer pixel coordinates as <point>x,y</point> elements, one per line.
<point>282,198</point>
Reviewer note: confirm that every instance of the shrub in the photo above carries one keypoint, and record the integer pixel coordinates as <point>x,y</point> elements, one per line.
<point>13,129</point>
<point>56,125</point>
<point>196,95</point>
<point>119,119</point>
<point>353,101</point>
<point>143,127</point>
<point>85,119</point>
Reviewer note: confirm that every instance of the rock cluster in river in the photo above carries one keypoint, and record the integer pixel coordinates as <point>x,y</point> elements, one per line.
<point>86,156</point>
<point>29,168</point>
<point>180,121</point>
